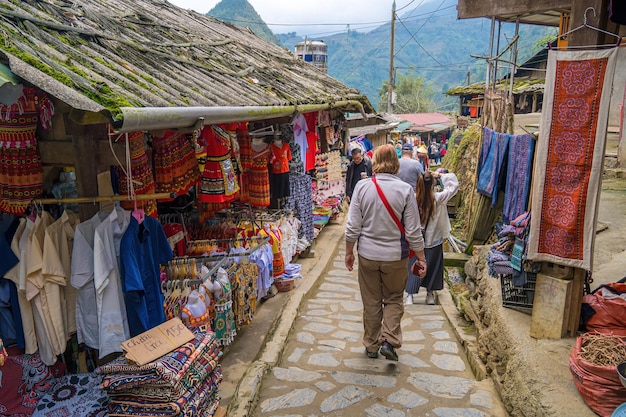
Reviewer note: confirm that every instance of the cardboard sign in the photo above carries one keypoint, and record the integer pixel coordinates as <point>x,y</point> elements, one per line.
<point>156,342</point>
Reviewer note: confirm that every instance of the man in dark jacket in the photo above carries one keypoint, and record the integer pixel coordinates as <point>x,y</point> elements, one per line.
<point>359,168</point>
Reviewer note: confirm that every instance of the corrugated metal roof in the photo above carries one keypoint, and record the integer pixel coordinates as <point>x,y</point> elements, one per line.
<point>403,126</point>
<point>368,130</point>
<point>101,56</point>
<point>422,119</point>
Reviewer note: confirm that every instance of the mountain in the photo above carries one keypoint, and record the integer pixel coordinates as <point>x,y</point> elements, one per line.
<point>429,41</point>
<point>241,13</point>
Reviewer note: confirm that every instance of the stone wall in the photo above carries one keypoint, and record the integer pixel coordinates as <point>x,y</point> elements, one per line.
<point>501,342</point>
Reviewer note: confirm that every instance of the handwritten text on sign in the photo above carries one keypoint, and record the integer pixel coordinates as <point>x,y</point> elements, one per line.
<point>156,342</point>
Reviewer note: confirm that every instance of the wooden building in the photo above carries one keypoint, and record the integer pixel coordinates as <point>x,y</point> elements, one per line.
<point>121,66</point>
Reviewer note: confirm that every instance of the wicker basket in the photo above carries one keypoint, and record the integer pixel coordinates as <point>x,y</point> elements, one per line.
<point>284,285</point>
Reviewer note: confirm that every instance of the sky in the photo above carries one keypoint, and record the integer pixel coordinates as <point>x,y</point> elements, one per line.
<point>305,17</point>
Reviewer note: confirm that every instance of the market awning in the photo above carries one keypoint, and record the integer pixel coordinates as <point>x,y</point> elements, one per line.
<point>403,126</point>
<point>437,127</point>
<point>159,118</point>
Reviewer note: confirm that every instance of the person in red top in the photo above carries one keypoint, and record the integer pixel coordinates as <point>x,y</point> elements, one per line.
<point>279,162</point>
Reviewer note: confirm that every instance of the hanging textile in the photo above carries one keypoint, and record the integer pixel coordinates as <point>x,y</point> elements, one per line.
<point>570,156</point>
<point>255,180</point>
<point>300,130</point>
<point>311,138</point>
<point>175,165</point>
<point>491,162</point>
<point>143,249</point>
<point>279,179</point>
<point>21,170</point>
<point>143,178</point>
<point>219,182</point>
<point>301,203</point>
<point>518,177</point>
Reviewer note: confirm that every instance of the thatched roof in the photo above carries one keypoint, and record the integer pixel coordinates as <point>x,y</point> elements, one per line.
<point>522,85</point>
<point>105,56</point>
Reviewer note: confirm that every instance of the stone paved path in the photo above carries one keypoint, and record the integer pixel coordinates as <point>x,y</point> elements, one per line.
<point>324,370</point>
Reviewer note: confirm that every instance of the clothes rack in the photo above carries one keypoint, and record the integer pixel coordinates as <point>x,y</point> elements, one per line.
<point>102,199</point>
<point>220,258</point>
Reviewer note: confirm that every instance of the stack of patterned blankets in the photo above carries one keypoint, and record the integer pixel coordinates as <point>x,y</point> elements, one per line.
<point>499,258</point>
<point>181,383</point>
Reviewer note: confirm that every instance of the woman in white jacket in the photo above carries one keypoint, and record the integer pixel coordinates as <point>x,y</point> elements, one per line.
<point>434,218</point>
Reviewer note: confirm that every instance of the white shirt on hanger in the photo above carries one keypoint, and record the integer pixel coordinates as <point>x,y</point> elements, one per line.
<point>21,246</point>
<point>299,134</point>
<point>87,330</point>
<point>113,323</point>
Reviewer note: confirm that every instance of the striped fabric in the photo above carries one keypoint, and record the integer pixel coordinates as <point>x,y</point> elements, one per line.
<point>21,170</point>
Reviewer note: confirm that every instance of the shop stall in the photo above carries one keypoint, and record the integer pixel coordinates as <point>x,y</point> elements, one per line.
<point>136,193</point>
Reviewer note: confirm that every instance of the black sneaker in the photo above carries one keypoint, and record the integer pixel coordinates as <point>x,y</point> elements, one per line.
<point>388,351</point>
<point>371,355</point>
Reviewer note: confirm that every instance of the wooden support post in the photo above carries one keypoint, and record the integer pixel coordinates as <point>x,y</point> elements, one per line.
<point>587,37</point>
<point>454,259</point>
<point>85,163</point>
<point>576,301</point>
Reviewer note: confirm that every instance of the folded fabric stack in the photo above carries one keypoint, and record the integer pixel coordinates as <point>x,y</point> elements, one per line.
<point>499,259</point>
<point>183,382</point>
<point>321,216</point>
<point>73,395</point>
<point>292,271</point>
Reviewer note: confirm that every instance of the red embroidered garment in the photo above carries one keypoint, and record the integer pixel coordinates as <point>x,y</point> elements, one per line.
<point>21,170</point>
<point>219,183</point>
<point>175,165</point>
<point>570,153</point>
<point>280,158</point>
<point>141,171</point>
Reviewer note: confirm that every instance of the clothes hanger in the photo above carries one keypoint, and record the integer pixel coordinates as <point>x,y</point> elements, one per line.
<point>264,131</point>
<point>138,214</point>
<point>587,25</point>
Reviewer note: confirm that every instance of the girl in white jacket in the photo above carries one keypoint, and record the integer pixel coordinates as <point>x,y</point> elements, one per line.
<point>434,219</point>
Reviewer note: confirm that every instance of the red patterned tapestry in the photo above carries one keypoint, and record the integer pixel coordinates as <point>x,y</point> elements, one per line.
<point>570,156</point>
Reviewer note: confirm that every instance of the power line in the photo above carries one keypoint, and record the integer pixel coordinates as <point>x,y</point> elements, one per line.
<point>380,22</point>
<point>411,2</point>
<point>420,28</point>
<point>419,44</point>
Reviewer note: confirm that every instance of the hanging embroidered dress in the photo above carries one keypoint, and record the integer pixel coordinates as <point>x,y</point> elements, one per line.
<point>175,165</point>
<point>21,169</point>
<point>219,182</point>
<point>141,171</point>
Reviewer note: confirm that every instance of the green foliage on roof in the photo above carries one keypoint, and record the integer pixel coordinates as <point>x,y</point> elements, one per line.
<point>520,86</point>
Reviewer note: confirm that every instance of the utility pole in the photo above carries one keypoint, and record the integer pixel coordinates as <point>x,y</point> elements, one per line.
<point>391,69</point>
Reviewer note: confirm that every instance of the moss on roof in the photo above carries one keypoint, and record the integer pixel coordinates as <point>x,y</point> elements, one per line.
<point>150,53</point>
<point>520,86</point>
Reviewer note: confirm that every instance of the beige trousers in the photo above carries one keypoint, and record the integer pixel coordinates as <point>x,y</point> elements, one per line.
<point>382,292</point>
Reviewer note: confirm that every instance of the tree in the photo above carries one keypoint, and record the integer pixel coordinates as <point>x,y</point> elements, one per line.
<point>413,95</point>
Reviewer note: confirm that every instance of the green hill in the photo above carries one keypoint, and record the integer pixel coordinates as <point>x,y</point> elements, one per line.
<point>241,13</point>
<point>429,41</point>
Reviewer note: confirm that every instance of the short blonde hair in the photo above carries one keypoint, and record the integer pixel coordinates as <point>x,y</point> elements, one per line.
<point>385,160</point>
